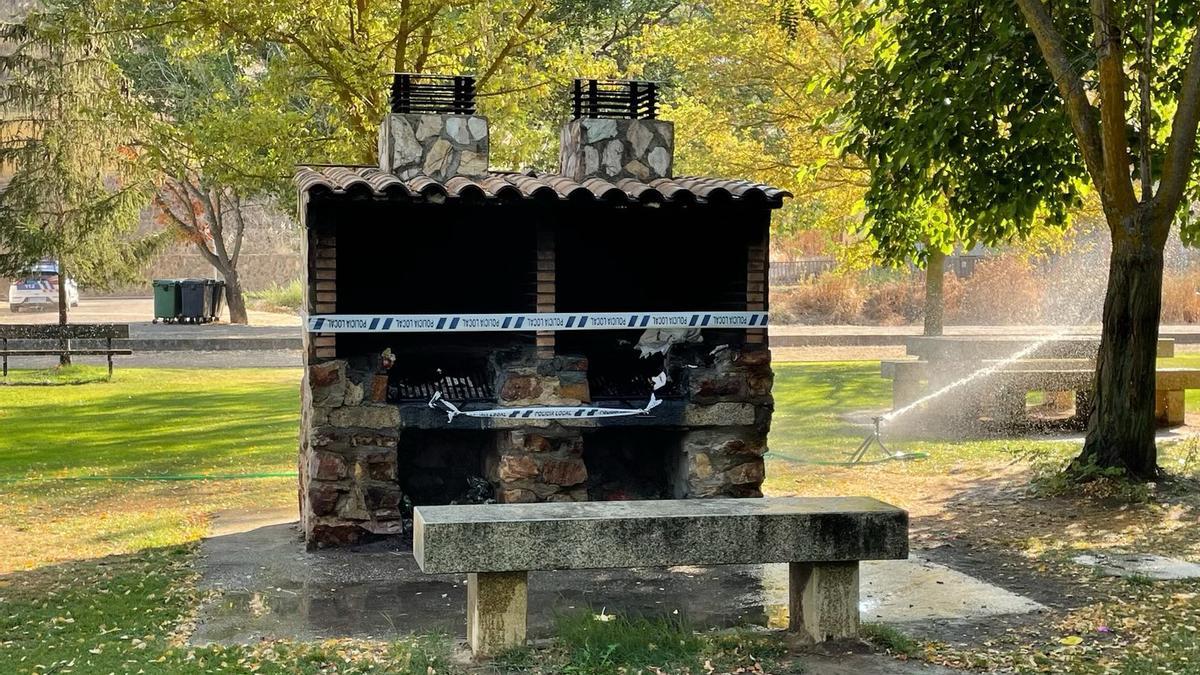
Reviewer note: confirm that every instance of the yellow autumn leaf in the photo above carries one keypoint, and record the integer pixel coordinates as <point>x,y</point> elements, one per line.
<point>1070,640</point>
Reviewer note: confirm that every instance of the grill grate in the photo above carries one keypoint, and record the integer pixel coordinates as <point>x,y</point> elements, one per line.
<point>433,94</point>
<point>630,99</point>
<point>456,386</point>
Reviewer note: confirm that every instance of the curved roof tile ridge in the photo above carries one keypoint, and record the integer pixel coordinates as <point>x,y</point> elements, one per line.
<point>531,187</point>
<point>606,191</point>
<point>466,188</point>
<point>640,191</point>
<point>374,182</point>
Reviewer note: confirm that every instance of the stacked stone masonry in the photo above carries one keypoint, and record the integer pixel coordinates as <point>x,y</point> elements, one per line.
<point>350,445</point>
<point>615,149</point>
<point>437,146</point>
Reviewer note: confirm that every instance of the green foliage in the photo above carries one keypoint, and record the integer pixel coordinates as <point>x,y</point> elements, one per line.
<point>602,642</point>
<point>960,124</point>
<point>750,95</point>
<point>75,192</point>
<point>891,639</point>
<point>212,111</point>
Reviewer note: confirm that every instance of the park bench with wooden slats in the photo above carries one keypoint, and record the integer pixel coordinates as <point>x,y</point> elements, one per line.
<point>57,333</point>
<point>496,545</point>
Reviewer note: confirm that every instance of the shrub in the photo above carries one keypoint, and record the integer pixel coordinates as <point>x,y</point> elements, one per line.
<point>830,298</point>
<point>1003,290</point>
<point>1180,300</point>
<point>288,298</point>
<point>896,302</point>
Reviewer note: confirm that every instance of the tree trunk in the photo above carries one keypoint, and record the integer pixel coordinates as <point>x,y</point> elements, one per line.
<point>1121,427</point>
<point>64,344</point>
<point>935,273</point>
<point>234,297</point>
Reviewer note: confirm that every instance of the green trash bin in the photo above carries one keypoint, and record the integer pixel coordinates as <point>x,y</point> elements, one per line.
<point>166,300</point>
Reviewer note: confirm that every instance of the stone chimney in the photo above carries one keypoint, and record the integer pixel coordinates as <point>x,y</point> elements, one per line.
<point>432,129</point>
<point>615,134</point>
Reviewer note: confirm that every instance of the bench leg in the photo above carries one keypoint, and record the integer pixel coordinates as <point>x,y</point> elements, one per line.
<point>1168,407</point>
<point>1009,405</point>
<point>497,604</point>
<point>905,390</point>
<point>823,600</point>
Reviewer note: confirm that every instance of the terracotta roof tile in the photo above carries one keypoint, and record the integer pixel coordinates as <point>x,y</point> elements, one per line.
<point>372,182</point>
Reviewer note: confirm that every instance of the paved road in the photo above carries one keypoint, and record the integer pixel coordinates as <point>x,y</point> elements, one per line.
<point>267,331</point>
<point>274,331</point>
<point>137,312</point>
<point>238,358</point>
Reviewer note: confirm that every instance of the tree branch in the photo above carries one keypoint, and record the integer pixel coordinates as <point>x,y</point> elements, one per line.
<point>1083,116</point>
<point>509,45</point>
<point>1145,119</point>
<point>1182,145</point>
<point>239,229</point>
<point>1106,20</point>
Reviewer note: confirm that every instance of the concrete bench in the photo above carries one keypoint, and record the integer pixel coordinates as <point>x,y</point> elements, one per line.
<point>823,539</point>
<point>1170,386</point>
<point>968,348</point>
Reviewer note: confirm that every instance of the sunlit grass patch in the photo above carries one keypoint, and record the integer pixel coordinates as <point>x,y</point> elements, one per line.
<point>67,455</point>
<point>153,422</point>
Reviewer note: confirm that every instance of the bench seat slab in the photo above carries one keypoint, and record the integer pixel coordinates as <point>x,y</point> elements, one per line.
<point>497,607</point>
<point>658,533</point>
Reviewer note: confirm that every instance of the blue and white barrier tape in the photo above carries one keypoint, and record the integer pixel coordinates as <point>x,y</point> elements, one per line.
<point>555,321</point>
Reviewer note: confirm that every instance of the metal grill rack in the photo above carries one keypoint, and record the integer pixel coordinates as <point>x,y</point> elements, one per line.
<point>420,93</point>
<point>626,99</point>
<point>457,386</point>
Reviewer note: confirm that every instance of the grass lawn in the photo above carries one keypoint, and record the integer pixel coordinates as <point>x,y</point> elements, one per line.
<point>107,487</point>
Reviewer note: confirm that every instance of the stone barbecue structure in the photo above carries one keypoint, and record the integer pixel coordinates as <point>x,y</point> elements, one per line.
<point>404,258</point>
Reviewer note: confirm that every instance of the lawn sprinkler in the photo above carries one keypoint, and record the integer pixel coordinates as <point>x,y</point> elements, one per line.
<point>875,440</point>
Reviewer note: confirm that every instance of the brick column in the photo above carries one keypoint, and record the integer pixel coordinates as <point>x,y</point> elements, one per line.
<point>324,292</point>
<point>756,284</point>
<point>545,287</point>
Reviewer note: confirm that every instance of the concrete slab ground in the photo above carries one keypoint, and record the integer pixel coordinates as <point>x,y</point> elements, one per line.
<point>1139,565</point>
<point>266,586</point>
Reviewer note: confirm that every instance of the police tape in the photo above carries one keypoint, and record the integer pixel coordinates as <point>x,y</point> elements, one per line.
<point>553,321</point>
<point>550,412</point>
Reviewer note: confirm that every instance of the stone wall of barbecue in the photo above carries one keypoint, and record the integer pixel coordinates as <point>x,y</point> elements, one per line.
<point>351,443</point>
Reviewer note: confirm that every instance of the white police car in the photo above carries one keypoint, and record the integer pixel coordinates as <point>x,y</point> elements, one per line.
<point>38,289</point>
